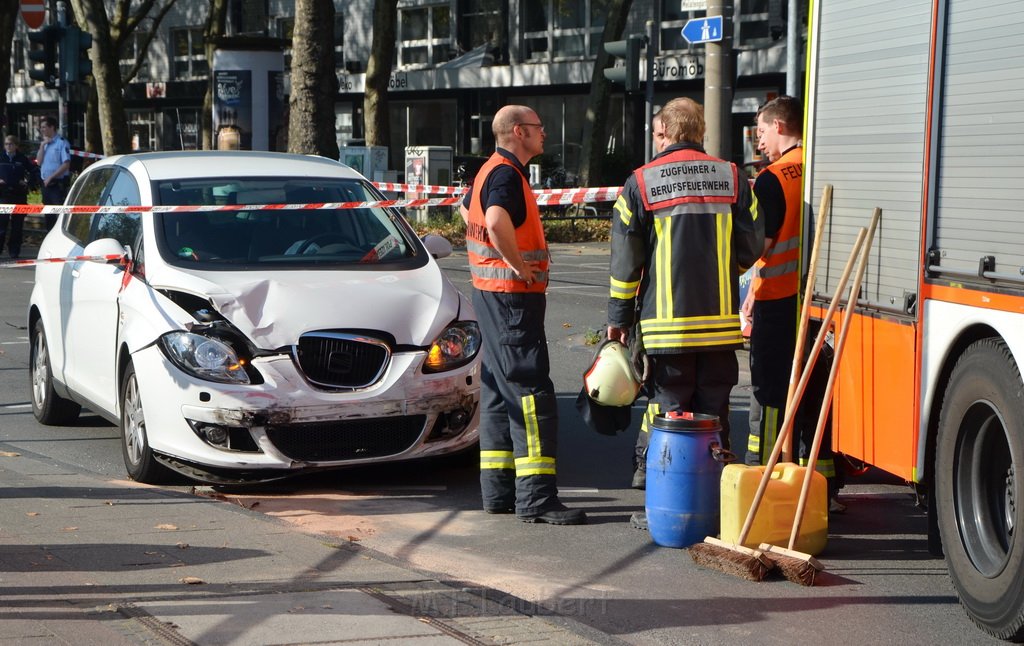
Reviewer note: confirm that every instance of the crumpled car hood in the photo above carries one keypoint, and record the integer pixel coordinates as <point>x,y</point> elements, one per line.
<point>274,308</point>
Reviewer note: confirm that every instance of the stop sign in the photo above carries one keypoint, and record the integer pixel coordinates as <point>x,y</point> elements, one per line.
<point>33,12</point>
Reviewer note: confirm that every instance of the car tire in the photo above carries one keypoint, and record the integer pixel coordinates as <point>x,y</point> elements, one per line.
<point>981,437</point>
<point>47,406</point>
<point>139,459</point>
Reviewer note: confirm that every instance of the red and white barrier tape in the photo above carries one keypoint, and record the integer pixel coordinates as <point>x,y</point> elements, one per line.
<point>82,153</point>
<point>420,188</point>
<point>109,259</point>
<point>570,196</point>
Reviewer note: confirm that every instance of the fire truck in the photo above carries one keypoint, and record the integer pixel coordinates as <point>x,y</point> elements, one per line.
<point>916,107</point>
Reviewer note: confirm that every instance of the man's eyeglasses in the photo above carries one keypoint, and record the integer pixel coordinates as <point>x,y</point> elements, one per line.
<point>535,125</point>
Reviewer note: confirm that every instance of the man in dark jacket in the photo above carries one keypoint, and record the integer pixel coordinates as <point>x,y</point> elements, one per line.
<point>16,172</point>
<point>685,227</point>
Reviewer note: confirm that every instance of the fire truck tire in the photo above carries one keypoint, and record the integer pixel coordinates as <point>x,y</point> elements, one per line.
<point>981,437</point>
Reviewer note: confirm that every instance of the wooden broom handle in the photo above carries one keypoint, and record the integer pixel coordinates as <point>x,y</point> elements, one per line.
<point>826,403</point>
<point>805,306</point>
<point>787,425</point>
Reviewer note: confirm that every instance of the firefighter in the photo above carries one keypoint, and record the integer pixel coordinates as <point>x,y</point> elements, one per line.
<point>684,228</point>
<point>772,302</point>
<point>508,261</point>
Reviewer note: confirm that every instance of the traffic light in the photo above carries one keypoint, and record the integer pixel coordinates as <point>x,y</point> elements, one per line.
<point>629,73</point>
<point>74,54</point>
<point>43,49</point>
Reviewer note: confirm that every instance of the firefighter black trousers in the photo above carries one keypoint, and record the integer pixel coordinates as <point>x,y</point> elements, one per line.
<point>694,382</point>
<point>518,412</point>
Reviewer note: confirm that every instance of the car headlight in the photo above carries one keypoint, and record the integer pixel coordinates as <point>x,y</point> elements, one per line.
<point>455,347</point>
<point>204,357</point>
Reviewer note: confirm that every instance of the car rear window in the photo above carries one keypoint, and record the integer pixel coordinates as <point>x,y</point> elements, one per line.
<point>243,237</point>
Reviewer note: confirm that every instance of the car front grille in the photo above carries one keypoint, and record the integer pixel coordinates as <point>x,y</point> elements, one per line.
<point>355,439</point>
<point>341,360</point>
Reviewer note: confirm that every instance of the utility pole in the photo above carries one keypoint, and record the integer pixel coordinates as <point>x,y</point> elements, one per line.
<point>652,51</point>
<point>62,87</point>
<point>792,48</point>
<point>718,80</point>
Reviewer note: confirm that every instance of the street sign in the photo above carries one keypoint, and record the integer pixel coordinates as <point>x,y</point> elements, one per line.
<point>703,30</point>
<point>33,12</point>
<point>693,5</point>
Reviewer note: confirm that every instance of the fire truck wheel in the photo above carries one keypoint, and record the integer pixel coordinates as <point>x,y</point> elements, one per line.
<point>981,437</point>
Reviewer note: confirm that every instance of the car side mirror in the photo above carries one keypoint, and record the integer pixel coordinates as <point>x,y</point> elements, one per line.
<point>437,246</point>
<point>106,247</point>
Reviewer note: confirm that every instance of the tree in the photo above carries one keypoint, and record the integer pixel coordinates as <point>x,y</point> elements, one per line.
<point>595,124</point>
<point>378,73</point>
<point>109,39</point>
<point>8,20</point>
<point>314,81</point>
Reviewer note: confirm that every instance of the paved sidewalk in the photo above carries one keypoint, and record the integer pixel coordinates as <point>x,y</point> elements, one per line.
<point>87,561</point>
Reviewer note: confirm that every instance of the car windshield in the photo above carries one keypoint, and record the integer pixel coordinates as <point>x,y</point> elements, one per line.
<point>288,237</point>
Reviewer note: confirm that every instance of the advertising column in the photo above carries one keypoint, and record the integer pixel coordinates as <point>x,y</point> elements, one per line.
<point>249,103</point>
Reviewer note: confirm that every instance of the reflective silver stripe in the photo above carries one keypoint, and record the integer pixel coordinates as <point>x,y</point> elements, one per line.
<point>488,251</point>
<point>504,273</point>
<point>481,249</point>
<point>624,213</point>
<point>783,246</point>
<point>778,270</point>
<point>692,208</point>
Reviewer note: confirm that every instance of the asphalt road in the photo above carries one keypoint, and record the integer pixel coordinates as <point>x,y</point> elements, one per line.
<point>881,586</point>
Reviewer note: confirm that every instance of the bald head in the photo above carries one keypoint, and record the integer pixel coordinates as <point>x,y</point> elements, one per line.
<point>507,118</point>
<point>519,130</point>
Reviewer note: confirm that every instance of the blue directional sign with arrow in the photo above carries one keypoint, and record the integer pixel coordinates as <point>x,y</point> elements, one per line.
<point>703,30</point>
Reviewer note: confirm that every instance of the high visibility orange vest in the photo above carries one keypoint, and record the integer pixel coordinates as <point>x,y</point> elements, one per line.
<point>778,270</point>
<point>489,270</point>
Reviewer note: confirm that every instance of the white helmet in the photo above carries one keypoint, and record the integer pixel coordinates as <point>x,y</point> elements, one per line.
<point>611,379</point>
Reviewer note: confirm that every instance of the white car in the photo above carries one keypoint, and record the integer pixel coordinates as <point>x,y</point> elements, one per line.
<point>244,344</point>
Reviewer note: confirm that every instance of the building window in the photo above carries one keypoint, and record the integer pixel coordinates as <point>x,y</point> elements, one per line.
<point>285,28</point>
<point>484,23</point>
<point>189,55</point>
<point>339,39</point>
<point>559,29</point>
<point>134,49</point>
<point>424,36</point>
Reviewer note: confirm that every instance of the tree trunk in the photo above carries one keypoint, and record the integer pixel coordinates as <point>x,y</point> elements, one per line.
<point>8,20</point>
<point>595,125</point>
<point>216,25</point>
<point>378,73</point>
<point>91,15</point>
<point>314,81</point>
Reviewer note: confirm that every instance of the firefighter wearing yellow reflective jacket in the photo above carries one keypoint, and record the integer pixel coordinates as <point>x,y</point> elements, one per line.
<point>508,261</point>
<point>684,228</point>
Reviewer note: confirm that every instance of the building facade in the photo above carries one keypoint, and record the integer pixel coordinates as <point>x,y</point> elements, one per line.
<point>456,63</point>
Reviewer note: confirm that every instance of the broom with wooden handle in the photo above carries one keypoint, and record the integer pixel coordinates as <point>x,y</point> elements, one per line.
<point>796,566</point>
<point>805,310</point>
<point>736,558</point>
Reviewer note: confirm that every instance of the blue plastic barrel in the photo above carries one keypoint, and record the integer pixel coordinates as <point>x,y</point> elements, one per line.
<point>684,472</point>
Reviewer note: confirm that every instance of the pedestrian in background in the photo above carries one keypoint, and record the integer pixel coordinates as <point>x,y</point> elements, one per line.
<point>509,262</point>
<point>54,160</point>
<point>16,173</point>
<point>772,303</point>
<point>685,226</point>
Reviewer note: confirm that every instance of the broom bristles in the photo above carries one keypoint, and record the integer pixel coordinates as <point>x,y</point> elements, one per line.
<point>797,567</point>
<point>736,560</point>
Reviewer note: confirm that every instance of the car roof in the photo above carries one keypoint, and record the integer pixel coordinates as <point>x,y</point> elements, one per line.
<point>221,163</point>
